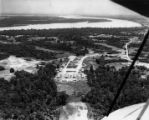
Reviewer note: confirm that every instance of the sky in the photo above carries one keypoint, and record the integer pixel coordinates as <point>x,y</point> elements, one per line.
<point>63,7</point>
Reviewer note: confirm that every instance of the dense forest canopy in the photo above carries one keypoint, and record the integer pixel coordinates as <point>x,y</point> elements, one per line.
<point>29,96</point>
<point>104,83</point>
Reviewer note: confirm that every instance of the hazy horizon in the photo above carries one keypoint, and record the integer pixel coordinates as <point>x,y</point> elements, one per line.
<point>63,7</point>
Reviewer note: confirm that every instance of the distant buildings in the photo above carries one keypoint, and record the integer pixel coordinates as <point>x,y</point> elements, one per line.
<point>70,77</point>
<point>73,71</point>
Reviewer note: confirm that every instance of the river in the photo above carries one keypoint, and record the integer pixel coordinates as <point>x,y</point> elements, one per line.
<point>112,23</point>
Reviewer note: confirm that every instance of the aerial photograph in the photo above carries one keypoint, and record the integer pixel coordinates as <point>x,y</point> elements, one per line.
<point>74,60</point>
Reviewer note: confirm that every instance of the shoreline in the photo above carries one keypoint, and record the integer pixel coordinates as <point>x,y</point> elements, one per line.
<point>114,23</point>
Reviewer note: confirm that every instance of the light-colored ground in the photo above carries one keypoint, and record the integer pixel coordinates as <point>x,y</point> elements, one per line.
<point>74,111</point>
<point>48,50</point>
<point>124,53</point>
<point>127,57</point>
<point>17,64</point>
<point>70,73</point>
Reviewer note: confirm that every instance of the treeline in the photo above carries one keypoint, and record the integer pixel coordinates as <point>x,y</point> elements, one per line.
<point>76,41</point>
<point>29,97</point>
<point>80,38</point>
<point>2,68</point>
<point>137,45</point>
<point>104,83</point>
<point>78,31</point>
<point>22,50</point>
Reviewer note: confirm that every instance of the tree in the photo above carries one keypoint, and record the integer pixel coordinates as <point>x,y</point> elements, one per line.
<point>104,84</point>
<point>91,69</point>
<point>27,93</point>
<point>12,70</point>
<point>2,68</point>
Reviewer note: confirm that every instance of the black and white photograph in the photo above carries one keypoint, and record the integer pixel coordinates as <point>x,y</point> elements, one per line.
<point>74,59</point>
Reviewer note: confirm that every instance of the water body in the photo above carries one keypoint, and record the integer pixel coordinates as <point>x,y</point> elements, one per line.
<point>112,23</point>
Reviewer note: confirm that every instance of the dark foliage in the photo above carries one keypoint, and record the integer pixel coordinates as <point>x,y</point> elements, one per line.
<point>76,41</point>
<point>12,70</point>
<point>105,81</point>
<point>2,68</point>
<point>23,50</point>
<point>27,95</point>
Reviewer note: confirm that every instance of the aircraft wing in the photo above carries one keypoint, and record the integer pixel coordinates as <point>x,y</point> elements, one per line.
<point>140,6</point>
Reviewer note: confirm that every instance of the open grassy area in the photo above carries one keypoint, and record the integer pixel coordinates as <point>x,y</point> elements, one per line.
<point>75,88</point>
